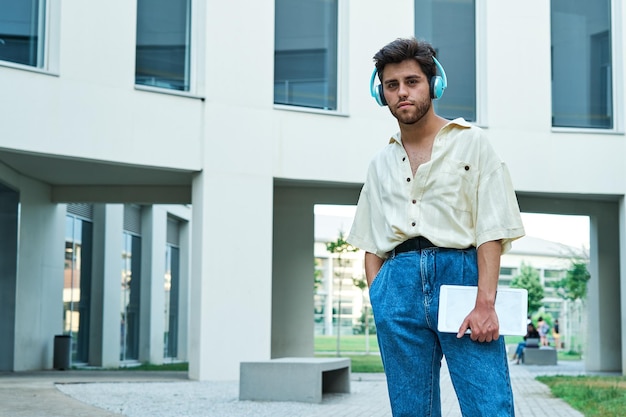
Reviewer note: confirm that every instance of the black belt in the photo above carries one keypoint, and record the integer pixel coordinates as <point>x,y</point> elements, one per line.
<point>413,244</point>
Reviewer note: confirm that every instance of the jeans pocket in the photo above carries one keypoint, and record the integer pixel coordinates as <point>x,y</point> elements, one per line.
<point>376,281</point>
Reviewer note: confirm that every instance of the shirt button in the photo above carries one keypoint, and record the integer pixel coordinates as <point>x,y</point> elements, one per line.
<point>413,224</point>
<point>467,167</point>
<point>414,201</point>
<point>403,158</point>
<point>408,180</point>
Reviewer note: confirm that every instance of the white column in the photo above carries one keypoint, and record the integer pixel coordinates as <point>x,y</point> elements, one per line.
<point>603,350</point>
<point>39,286</point>
<point>231,280</point>
<point>293,273</point>
<point>152,304</point>
<point>105,329</point>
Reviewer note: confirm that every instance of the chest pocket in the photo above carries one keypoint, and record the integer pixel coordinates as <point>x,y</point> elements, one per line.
<point>457,184</point>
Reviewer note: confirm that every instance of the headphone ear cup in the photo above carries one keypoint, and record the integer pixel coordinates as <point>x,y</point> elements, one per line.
<point>381,95</point>
<point>376,91</point>
<point>436,87</point>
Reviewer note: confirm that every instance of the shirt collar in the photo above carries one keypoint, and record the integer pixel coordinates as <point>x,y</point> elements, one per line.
<point>459,121</point>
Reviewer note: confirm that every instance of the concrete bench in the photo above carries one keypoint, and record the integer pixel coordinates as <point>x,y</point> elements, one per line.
<point>293,379</point>
<point>540,356</point>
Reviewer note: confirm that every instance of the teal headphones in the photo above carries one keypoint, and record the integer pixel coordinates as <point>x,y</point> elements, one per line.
<point>437,85</point>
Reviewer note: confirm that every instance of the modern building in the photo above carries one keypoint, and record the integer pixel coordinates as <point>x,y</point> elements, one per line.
<point>233,119</point>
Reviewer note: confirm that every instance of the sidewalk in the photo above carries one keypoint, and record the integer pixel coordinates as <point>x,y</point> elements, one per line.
<point>171,394</point>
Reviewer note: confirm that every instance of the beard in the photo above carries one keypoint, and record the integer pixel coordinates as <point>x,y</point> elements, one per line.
<point>413,114</point>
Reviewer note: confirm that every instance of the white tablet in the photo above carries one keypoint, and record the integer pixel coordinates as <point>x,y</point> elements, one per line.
<point>456,301</point>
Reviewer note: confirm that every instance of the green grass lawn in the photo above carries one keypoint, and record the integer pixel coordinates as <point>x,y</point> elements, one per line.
<point>360,363</point>
<point>180,366</point>
<point>594,396</point>
<point>348,343</point>
<point>353,347</point>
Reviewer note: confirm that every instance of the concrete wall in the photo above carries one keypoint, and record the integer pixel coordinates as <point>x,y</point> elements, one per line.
<point>88,107</point>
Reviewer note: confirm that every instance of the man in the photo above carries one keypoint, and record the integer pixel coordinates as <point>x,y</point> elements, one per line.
<point>437,207</point>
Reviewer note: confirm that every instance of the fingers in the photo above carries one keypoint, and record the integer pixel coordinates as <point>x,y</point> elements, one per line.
<point>485,336</point>
<point>465,326</point>
<point>477,332</point>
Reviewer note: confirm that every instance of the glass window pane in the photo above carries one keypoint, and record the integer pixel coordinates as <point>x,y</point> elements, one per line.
<point>581,58</point>
<point>131,290</point>
<point>21,32</point>
<point>305,53</point>
<point>172,288</point>
<point>455,42</point>
<point>162,53</point>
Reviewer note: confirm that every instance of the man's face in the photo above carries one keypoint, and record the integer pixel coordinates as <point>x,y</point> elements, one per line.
<point>407,91</point>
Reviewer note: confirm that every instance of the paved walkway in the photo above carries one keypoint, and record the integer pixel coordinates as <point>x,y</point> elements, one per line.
<point>171,394</point>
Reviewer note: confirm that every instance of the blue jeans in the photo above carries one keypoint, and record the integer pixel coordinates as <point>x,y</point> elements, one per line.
<point>405,302</point>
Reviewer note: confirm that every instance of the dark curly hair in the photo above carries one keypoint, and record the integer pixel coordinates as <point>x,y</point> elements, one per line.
<point>407,48</point>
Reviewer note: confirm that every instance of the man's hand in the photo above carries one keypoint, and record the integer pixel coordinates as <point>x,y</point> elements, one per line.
<point>483,320</point>
<point>372,266</point>
<point>483,324</point>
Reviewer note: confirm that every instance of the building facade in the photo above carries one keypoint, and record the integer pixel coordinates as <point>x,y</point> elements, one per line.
<point>252,112</point>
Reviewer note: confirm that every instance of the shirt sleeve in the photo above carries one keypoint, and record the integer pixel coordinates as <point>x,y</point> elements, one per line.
<point>361,233</point>
<point>498,216</point>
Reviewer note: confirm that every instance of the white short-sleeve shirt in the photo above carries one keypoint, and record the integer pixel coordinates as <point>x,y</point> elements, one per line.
<point>462,197</point>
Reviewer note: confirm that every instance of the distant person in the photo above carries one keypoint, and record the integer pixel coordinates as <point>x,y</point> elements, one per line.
<point>531,333</point>
<point>543,328</point>
<point>556,334</point>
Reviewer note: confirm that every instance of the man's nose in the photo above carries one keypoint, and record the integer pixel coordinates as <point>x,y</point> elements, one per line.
<point>403,90</point>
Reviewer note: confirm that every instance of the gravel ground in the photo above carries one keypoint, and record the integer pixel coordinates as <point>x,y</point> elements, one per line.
<point>202,399</point>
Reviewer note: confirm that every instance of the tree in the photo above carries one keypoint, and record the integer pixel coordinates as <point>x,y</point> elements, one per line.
<point>573,289</point>
<point>318,276</point>
<point>528,279</point>
<point>339,247</point>
<point>574,285</point>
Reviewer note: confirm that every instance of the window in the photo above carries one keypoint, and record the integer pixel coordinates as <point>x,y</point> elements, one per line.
<point>22,28</point>
<point>172,290</point>
<point>131,289</point>
<point>581,64</point>
<point>507,271</point>
<point>455,43</point>
<point>305,53</point>
<point>554,273</point>
<point>163,44</point>
<point>131,284</point>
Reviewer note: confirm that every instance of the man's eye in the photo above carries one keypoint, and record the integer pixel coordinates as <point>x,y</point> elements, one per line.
<point>392,85</point>
<point>412,82</point>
